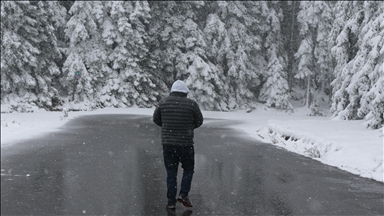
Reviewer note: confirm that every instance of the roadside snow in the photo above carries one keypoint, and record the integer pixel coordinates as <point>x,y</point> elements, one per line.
<point>344,144</point>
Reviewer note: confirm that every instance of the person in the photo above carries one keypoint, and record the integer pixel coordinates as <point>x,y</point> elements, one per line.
<point>178,116</point>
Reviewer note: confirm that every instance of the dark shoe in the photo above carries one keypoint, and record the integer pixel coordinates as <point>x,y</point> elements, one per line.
<point>185,201</point>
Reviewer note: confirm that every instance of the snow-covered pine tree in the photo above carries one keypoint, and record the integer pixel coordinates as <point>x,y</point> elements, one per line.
<point>358,87</point>
<point>125,32</point>
<point>275,90</point>
<point>180,49</point>
<point>344,34</point>
<point>315,63</point>
<point>324,61</point>
<point>367,84</point>
<point>206,84</point>
<point>204,78</point>
<point>242,64</point>
<point>305,67</point>
<point>374,110</point>
<point>87,54</point>
<point>290,29</point>
<point>29,54</point>
<point>217,46</point>
<point>168,44</point>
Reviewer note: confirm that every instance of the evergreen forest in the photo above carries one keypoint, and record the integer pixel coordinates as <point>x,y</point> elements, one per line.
<point>232,54</point>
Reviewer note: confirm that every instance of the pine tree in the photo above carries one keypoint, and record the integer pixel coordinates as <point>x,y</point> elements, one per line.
<point>348,17</point>
<point>324,61</point>
<point>218,45</point>
<point>204,79</point>
<point>306,68</point>
<point>315,64</point>
<point>168,41</point>
<point>239,53</point>
<point>367,84</point>
<point>358,87</point>
<point>29,54</point>
<point>275,90</point>
<point>289,30</point>
<point>125,32</point>
<point>87,54</point>
<point>180,47</point>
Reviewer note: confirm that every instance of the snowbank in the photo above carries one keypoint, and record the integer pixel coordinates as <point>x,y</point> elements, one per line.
<point>344,144</point>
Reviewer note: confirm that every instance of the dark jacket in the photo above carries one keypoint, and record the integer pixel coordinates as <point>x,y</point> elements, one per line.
<point>177,116</point>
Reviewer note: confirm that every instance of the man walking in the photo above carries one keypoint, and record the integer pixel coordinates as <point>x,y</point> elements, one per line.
<point>178,116</point>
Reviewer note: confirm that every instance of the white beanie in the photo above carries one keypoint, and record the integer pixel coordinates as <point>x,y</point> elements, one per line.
<point>179,86</point>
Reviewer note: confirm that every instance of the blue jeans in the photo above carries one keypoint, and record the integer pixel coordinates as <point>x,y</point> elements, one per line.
<point>172,156</point>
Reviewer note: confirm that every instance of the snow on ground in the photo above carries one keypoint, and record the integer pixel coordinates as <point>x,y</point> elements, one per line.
<point>344,144</point>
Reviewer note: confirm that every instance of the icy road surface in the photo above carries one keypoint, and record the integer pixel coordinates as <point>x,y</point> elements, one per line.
<point>113,165</point>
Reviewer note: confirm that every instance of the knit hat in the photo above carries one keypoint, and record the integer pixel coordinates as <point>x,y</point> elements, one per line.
<point>179,86</point>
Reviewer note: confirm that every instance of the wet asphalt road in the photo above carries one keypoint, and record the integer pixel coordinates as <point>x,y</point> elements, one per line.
<point>113,165</point>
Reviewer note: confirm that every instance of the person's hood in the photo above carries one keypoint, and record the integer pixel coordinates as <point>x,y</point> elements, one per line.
<point>179,86</point>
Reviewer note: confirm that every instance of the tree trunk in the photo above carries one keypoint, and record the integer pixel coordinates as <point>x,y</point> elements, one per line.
<point>307,102</point>
<point>74,90</point>
<point>290,51</point>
